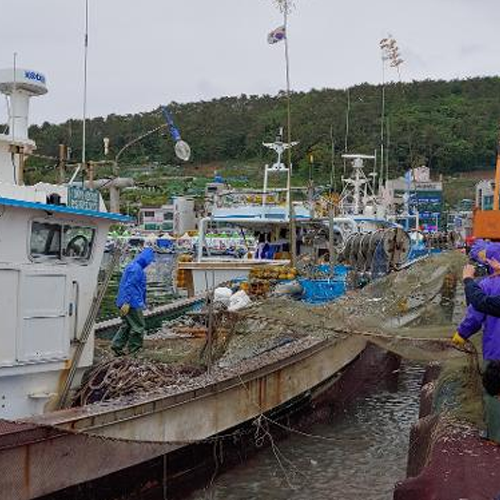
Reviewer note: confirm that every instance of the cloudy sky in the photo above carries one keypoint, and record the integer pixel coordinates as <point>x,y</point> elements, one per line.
<point>144,53</point>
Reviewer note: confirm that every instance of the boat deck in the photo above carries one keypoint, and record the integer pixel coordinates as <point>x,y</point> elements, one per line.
<point>215,401</point>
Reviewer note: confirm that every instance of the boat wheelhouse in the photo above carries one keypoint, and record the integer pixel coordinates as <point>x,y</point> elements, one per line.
<point>52,240</point>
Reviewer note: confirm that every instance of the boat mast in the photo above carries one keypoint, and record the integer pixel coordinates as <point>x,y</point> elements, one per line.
<point>382,121</point>
<point>292,237</point>
<point>346,135</point>
<point>333,173</point>
<point>390,54</point>
<point>81,166</point>
<point>13,103</point>
<point>84,118</point>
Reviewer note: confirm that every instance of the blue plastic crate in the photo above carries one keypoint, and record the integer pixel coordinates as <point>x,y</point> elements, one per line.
<point>320,291</point>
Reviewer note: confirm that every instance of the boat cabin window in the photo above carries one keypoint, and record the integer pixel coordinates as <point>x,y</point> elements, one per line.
<point>62,242</point>
<point>77,242</point>
<point>45,240</point>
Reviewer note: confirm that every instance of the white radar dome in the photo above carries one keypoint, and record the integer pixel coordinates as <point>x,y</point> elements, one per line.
<point>26,80</point>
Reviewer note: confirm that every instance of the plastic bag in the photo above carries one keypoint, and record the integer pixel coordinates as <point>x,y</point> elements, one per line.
<point>238,301</point>
<point>222,295</point>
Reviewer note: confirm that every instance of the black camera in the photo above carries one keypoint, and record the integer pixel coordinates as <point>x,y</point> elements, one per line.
<point>481,269</point>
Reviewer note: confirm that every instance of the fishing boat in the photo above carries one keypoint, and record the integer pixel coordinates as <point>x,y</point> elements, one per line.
<point>359,212</point>
<point>50,252</point>
<point>50,260</point>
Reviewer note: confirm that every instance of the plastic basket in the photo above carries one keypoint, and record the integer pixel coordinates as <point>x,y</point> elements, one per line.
<point>320,291</point>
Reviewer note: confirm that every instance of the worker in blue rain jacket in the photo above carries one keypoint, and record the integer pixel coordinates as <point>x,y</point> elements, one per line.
<point>131,300</point>
<point>474,321</point>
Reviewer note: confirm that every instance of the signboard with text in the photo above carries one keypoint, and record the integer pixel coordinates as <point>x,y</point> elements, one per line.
<point>83,198</point>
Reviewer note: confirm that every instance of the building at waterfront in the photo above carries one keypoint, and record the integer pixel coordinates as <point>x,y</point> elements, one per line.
<point>416,191</point>
<point>156,218</point>
<point>484,194</point>
<point>176,218</point>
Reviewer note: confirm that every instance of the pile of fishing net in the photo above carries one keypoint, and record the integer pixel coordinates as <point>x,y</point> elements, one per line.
<point>129,376</point>
<point>410,312</point>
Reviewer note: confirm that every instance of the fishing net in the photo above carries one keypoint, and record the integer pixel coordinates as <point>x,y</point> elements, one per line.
<point>127,376</point>
<point>177,353</point>
<point>411,312</point>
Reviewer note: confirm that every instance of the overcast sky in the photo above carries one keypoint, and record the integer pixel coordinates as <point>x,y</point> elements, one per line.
<point>148,52</point>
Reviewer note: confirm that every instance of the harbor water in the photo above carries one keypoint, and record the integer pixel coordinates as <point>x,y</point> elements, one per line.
<point>359,454</point>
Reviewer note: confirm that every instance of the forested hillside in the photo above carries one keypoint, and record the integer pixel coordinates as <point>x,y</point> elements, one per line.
<point>450,126</point>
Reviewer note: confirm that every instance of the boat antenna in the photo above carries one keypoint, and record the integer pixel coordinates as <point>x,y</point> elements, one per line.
<point>13,114</point>
<point>286,6</point>
<point>388,134</point>
<point>390,54</point>
<point>13,101</point>
<point>85,67</point>
<point>333,176</point>
<point>346,138</point>
<point>84,110</point>
<point>384,47</point>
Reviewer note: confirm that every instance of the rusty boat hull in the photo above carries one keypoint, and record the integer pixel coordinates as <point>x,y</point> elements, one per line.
<point>60,450</point>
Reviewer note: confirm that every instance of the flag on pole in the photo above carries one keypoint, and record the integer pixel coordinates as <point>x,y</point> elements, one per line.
<point>276,35</point>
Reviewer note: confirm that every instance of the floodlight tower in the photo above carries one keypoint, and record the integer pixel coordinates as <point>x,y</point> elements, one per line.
<point>19,85</point>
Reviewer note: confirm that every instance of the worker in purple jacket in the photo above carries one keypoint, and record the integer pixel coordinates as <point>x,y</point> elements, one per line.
<point>477,250</point>
<point>473,322</point>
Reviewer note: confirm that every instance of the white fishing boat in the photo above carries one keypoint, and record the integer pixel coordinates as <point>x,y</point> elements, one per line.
<point>266,220</point>
<point>360,210</point>
<point>52,239</point>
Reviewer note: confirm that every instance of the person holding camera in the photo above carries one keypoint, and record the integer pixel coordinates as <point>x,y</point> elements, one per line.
<point>484,312</point>
<point>476,297</point>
